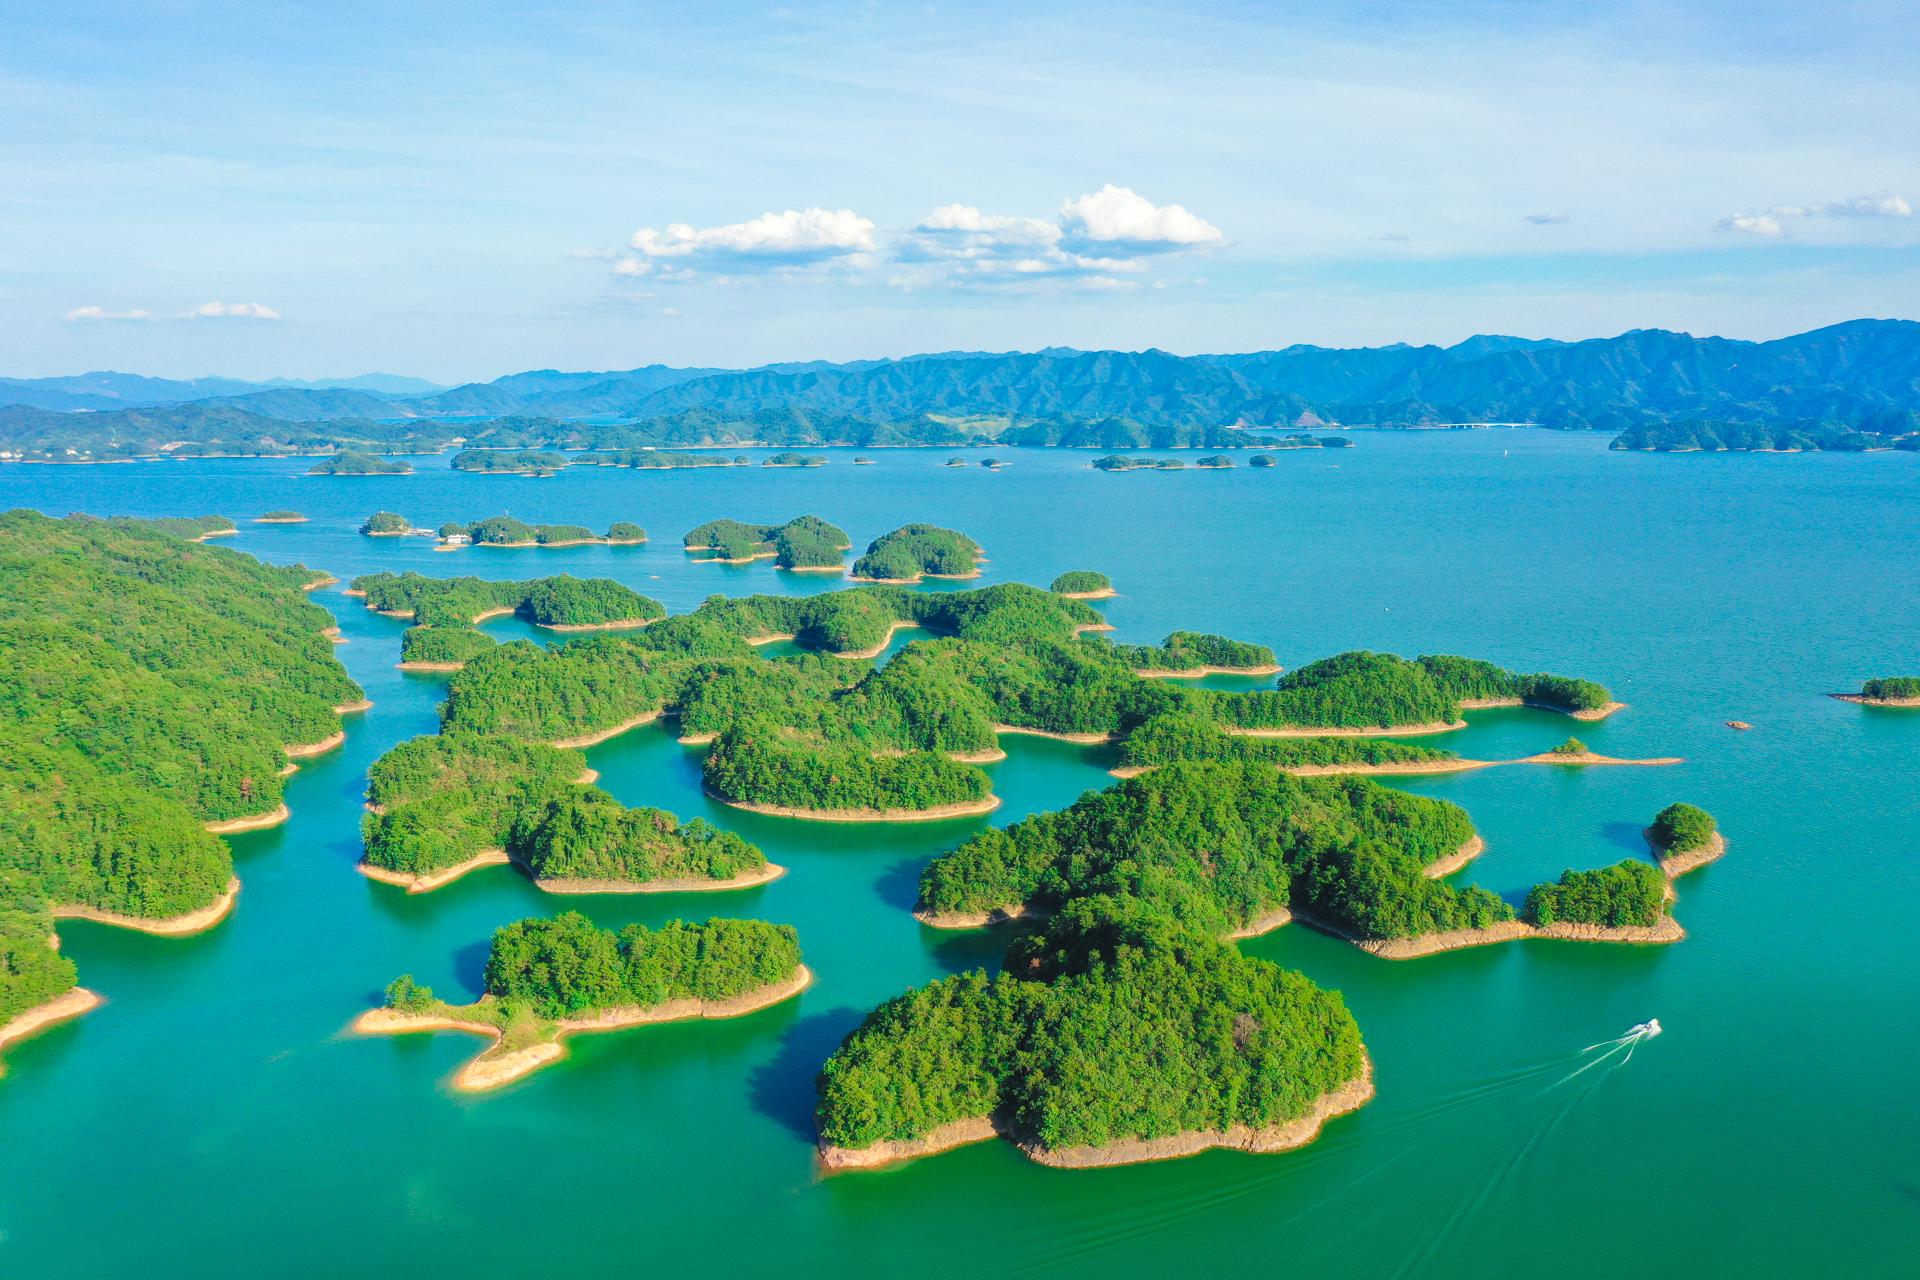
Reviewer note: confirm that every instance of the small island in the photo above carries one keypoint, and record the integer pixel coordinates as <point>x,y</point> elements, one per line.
<point>917,551</point>
<point>1214,462</point>
<point>1886,691</point>
<point>351,462</point>
<point>1083,584</point>
<point>955,462</point>
<point>1261,460</point>
<point>804,544</point>
<point>389,524</point>
<point>796,460</point>
<point>1684,838</point>
<point>509,532</point>
<point>280,517</point>
<point>515,462</point>
<point>547,979</point>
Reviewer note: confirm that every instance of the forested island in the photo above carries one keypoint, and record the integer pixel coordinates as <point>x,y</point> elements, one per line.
<point>917,551</point>
<point>280,517</point>
<point>1083,584</point>
<point>510,531</point>
<point>561,603</point>
<point>1886,691</point>
<point>804,543</point>
<point>387,524</point>
<point>1685,837</point>
<point>441,806</point>
<point>547,979</point>
<point>156,692</point>
<point>796,460</point>
<point>349,462</point>
<point>1783,436</point>
<point>516,462</point>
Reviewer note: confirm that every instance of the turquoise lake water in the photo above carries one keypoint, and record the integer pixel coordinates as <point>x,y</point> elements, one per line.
<point>214,1118</point>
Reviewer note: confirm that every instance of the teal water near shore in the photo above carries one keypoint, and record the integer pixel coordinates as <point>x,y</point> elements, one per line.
<point>215,1118</point>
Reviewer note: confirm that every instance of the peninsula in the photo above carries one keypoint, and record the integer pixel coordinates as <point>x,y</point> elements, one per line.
<point>547,979</point>
<point>169,682</point>
<point>1886,691</point>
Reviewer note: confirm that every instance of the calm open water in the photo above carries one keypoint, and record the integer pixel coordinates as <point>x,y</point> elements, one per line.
<point>214,1119</point>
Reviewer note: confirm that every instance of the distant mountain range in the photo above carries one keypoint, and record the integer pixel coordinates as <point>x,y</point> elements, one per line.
<point>1859,377</point>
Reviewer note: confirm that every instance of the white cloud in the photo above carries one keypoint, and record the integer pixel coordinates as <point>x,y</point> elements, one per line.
<point>1768,222</point>
<point>1883,204</point>
<point>1113,217</point>
<point>770,242</point>
<point>1549,219</point>
<point>83,314</point>
<point>231,311</point>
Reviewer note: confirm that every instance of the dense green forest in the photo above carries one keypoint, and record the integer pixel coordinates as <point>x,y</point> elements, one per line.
<point>438,801</point>
<point>451,642</point>
<point>559,601</point>
<point>919,550</point>
<point>816,732</point>
<point>508,531</point>
<point>1628,893</point>
<point>1680,827</point>
<point>804,542</point>
<point>351,462</point>
<point>1112,1022</point>
<point>1082,582</point>
<point>149,686</point>
<point>1891,688</point>
<point>1376,690</point>
<point>567,966</point>
<point>661,459</point>
<point>795,460</point>
<point>1218,845</point>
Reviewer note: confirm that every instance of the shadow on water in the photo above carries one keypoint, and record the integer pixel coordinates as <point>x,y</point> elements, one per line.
<point>470,964</point>
<point>1624,835</point>
<point>958,950</point>
<point>899,885</point>
<point>782,1088</point>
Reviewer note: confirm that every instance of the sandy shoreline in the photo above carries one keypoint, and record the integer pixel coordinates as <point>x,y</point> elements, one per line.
<point>1080,739</point>
<point>258,822</point>
<point>324,580</point>
<point>494,1068</point>
<point>1286,1136</point>
<point>431,666</point>
<point>1590,715</point>
<point>1675,865</point>
<point>299,750</point>
<point>353,708</point>
<point>1667,929</point>
<point>1104,593</point>
<point>1194,673</point>
<point>772,637</point>
<point>1374,731</point>
<point>1861,699</point>
<point>970,919</point>
<point>1588,757</point>
<point>594,739</point>
<point>179,926</point>
<point>878,649</point>
<point>681,884</point>
<point>428,881</point>
<point>64,1007</point>
<point>618,624</point>
<point>1456,860</point>
<point>965,809</point>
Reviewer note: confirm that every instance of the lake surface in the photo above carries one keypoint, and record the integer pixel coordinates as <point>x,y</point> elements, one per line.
<point>214,1118</point>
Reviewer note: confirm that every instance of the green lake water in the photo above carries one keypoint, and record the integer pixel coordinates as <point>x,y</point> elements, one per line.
<point>215,1118</point>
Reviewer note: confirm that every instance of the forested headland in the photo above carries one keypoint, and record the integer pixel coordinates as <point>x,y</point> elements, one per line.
<point>152,688</point>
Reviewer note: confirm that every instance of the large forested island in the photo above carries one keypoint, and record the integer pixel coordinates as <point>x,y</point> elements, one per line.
<point>510,531</point>
<point>917,551</point>
<point>156,692</point>
<point>548,979</point>
<point>804,543</point>
<point>351,462</point>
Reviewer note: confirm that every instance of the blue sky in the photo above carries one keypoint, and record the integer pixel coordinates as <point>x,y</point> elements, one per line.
<point>464,190</point>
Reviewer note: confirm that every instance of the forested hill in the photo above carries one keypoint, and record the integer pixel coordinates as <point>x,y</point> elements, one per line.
<point>1863,375</point>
